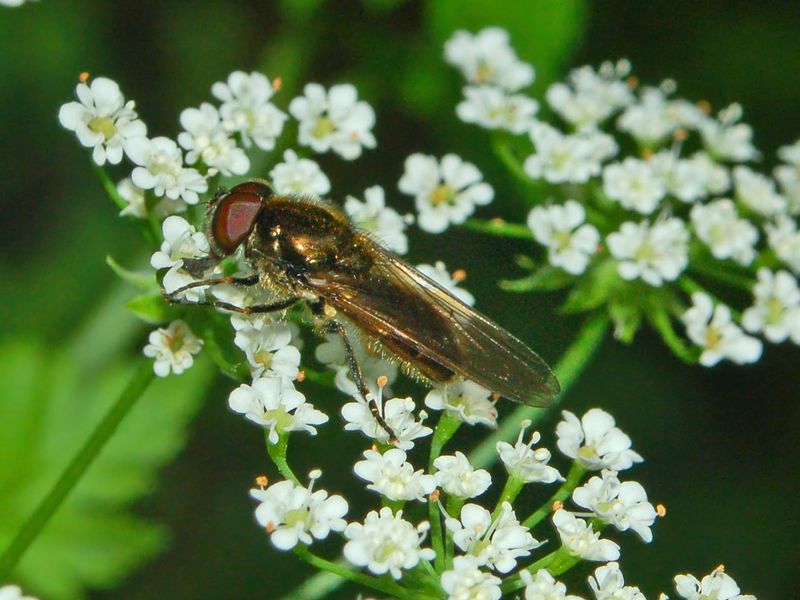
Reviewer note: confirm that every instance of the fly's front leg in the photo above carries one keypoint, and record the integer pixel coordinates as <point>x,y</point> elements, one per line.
<point>358,377</point>
<point>245,310</point>
<point>248,281</point>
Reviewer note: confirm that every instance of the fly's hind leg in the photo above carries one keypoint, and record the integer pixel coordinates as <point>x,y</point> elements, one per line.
<point>358,377</point>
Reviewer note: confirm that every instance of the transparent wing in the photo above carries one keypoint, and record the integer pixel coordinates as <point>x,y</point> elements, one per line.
<point>401,306</point>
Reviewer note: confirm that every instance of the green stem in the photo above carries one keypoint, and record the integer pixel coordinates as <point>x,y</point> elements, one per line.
<point>723,275</point>
<point>574,361</point>
<point>384,586</point>
<point>499,228</point>
<point>152,236</point>
<point>576,473</point>
<point>76,469</point>
<point>663,324</point>
<point>512,584</point>
<point>511,490</point>
<point>506,155</point>
<point>445,429</point>
<point>277,452</point>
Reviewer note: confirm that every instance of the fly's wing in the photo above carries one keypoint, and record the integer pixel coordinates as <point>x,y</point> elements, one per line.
<point>395,302</point>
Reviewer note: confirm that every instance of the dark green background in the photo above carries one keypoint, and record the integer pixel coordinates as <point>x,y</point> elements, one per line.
<point>721,446</point>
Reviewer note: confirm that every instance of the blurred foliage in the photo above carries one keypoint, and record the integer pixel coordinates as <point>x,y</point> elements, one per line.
<point>721,445</point>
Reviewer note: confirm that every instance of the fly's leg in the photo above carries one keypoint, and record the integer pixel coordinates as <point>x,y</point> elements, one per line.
<point>248,281</point>
<point>245,310</point>
<point>358,377</point>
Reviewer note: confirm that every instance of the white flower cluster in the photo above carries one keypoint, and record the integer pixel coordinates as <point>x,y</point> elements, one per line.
<point>683,207</point>
<point>490,546</point>
<point>214,138</point>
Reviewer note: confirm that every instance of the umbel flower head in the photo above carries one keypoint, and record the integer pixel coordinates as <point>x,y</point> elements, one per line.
<point>640,200</point>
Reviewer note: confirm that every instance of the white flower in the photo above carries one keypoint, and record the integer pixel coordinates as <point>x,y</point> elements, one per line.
<point>562,229</point>
<point>134,196</point>
<point>622,504</point>
<point>466,400</point>
<point>487,58</point>
<point>654,253</point>
<point>712,328</point>
<point>294,514</point>
<point>173,348</point>
<point>299,176</point>
<point>268,349</point>
<point>608,584</point>
<point>206,140</point>
<point>13,592</point>
<point>727,139</point>
<point>776,307</point>
<point>391,476</point>
<point>635,184</point>
<point>789,175</point>
<point>14,589</point>
<point>757,192</point>
<point>273,403</point>
<point>181,241</point>
<point>161,169</point>
<point>497,543</point>
<point>790,154</point>
<point>438,273</point>
<point>789,179</point>
<point>457,477</point>
<point>334,120</point>
<point>525,463</point>
<point>386,543</point>
<point>383,222</point>
<point>102,119</point>
<point>445,191</point>
<point>398,413</point>
<point>581,540</point>
<point>693,178</point>
<point>595,441</point>
<point>784,239</point>
<point>137,207</point>
<point>561,158</point>
<point>246,109</point>
<point>654,118</point>
<point>590,96</point>
<point>544,587</point>
<point>465,581</point>
<point>717,586</point>
<point>493,108</point>
<point>727,236</point>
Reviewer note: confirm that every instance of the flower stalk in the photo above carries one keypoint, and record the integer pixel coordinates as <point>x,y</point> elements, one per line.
<point>77,467</point>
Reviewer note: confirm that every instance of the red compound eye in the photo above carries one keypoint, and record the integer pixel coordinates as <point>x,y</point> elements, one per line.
<point>253,187</point>
<point>234,217</point>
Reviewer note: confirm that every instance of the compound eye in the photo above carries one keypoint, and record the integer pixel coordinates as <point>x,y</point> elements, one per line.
<point>234,219</point>
<point>253,187</point>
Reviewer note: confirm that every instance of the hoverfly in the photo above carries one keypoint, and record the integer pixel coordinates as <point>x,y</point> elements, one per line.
<point>307,250</point>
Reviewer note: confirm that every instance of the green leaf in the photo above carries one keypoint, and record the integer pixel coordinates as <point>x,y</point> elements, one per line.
<point>152,308</point>
<point>47,410</point>
<point>543,33</point>
<point>144,280</point>
<point>546,278</point>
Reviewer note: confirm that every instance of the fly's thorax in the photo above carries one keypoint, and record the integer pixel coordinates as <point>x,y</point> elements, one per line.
<point>300,236</point>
